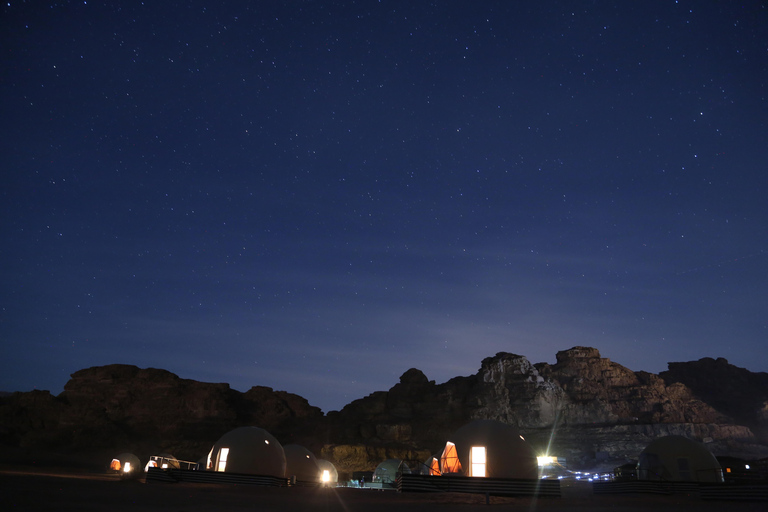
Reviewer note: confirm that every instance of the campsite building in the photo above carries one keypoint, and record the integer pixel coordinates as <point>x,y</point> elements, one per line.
<point>386,472</point>
<point>678,459</point>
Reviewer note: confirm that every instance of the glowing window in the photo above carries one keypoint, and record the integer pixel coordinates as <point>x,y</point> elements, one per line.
<point>477,461</point>
<point>326,475</point>
<point>223,454</point>
<point>127,467</point>
<point>115,465</point>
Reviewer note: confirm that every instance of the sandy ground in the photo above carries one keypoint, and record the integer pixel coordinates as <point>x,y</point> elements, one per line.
<point>57,490</point>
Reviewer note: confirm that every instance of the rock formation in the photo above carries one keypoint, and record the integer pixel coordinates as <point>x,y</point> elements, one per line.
<point>585,408</point>
<point>145,411</point>
<point>735,391</point>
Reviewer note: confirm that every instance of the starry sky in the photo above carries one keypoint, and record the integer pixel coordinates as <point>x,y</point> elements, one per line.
<point>317,196</point>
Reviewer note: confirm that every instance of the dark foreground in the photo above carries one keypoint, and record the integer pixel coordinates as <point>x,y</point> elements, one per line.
<point>83,492</point>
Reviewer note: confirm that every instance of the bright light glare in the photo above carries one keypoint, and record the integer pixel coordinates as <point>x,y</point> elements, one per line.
<point>326,475</point>
<point>127,467</point>
<point>545,460</point>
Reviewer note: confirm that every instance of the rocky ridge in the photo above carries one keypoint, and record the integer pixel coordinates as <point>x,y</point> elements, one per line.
<point>584,407</point>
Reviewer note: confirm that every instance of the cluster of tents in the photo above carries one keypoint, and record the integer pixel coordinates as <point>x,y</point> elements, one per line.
<point>244,450</point>
<point>481,448</point>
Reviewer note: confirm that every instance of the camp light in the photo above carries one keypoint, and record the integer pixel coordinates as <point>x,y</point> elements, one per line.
<point>127,467</point>
<point>326,476</point>
<point>545,460</point>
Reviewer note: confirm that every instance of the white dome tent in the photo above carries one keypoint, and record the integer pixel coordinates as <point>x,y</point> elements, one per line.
<point>489,448</point>
<point>328,473</point>
<point>301,464</point>
<point>678,459</point>
<point>248,450</point>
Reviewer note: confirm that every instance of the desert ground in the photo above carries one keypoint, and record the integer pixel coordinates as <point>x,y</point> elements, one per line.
<point>59,489</point>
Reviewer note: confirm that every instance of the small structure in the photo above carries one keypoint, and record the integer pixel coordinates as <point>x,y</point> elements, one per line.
<point>127,465</point>
<point>328,473</point>
<point>248,450</point>
<point>301,465</point>
<point>385,473</point>
<point>489,448</point>
<point>431,466</point>
<point>678,459</point>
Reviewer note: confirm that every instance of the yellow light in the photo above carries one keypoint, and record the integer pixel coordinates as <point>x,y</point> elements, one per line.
<point>326,475</point>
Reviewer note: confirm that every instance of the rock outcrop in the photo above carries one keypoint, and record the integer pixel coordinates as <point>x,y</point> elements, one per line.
<point>146,411</point>
<point>584,407</point>
<point>735,391</point>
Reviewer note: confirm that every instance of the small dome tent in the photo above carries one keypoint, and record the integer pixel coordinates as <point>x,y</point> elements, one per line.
<point>678,459</point>
<point>248,450</point>
<point>301,463</point>
<point>386,472</point>
<point>127,465</point>
<point>328,472</point>
<point>492,449</point>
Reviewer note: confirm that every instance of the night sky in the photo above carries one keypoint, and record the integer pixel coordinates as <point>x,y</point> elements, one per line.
<point>317,196</point>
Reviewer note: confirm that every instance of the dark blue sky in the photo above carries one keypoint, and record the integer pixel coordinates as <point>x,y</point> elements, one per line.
<point>317,196</point>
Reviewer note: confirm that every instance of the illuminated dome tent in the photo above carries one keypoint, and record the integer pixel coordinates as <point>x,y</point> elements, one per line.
<point>248,450</point>
<point>431,466</point>
<point>678,459</point>
<point>301,464</point>
<point>328,473</point>
<point>489,448</point>
<point>127,465</point>
<point>386,472</point>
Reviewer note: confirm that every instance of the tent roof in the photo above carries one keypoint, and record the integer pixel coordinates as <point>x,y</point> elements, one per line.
<point>301,463</point>
<point>252,450</point>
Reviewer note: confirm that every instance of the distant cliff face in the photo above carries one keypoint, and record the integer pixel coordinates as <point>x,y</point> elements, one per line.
<point>735,391</point>
<point>584,407</point>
